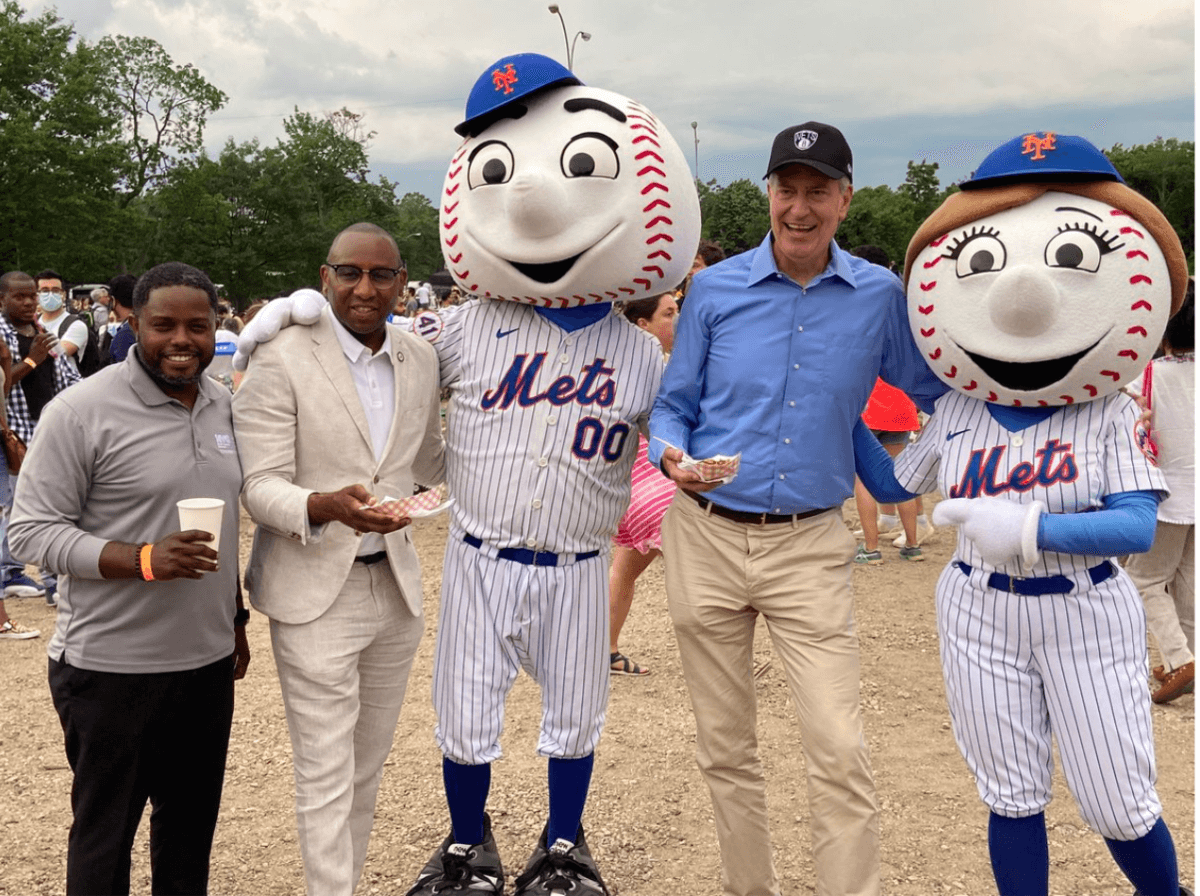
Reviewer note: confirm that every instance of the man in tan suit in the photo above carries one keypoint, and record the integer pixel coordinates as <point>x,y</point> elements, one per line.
<point>329,420</point>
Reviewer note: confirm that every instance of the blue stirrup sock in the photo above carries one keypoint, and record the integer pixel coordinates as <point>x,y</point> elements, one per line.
<point>1149,862</point>
<point>569,781</point>
<point>467,789</point>
<point>1020,855</point>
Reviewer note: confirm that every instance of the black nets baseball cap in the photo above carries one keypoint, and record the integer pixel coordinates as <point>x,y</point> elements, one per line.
<point>819,146</point>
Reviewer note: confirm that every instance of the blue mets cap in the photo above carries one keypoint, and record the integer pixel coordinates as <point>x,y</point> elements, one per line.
<point>512,78</point>
<point>1043,156</point>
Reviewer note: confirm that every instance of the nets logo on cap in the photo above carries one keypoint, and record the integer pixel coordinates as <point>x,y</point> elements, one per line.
<point>1036,147</point>
<point>805,139</point>
<point>504,79</point>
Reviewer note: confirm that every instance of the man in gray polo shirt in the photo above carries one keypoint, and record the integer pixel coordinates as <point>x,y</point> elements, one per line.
<point>150,630</point>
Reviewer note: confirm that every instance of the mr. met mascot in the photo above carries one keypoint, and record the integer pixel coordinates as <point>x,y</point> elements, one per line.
<point>561,200</point>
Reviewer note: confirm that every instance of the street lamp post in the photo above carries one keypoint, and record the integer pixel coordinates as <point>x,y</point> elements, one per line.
<point>568,42</point>
<point>696,149</point>
<point>403,243</point>
<point>571,55</point>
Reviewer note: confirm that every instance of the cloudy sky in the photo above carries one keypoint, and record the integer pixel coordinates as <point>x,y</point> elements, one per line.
<point>937,80</point>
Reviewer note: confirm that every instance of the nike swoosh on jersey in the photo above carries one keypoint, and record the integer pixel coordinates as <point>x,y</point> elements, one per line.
<point>953,434</point>
<point>500,334</point>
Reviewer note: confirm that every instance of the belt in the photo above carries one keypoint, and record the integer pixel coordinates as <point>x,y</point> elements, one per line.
<point>741,516</point>
<point>1037,586</point>
<point>533,558</point>
<point>371,559</point>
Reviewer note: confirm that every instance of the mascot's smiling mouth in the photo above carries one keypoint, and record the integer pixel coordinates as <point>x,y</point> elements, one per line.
<point>1029,376</point>
<point>553,271</point>
<point>548,272</point>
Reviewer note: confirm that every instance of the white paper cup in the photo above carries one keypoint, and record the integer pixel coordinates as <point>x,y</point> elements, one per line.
<point>203,514</point>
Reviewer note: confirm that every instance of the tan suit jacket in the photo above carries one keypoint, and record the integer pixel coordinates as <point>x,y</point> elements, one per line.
<point>301,429</point>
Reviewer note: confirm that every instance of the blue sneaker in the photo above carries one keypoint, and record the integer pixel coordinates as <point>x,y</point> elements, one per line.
<point>20,585</point>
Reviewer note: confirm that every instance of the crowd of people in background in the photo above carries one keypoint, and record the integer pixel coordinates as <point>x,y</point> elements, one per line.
<point>52,337</point>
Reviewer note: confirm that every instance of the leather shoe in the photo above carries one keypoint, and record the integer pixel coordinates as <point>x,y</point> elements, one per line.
<point>1176,683</point>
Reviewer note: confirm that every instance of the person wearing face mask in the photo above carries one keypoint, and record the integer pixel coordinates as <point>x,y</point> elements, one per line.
<point>71,331</point>
<point>39,372</point>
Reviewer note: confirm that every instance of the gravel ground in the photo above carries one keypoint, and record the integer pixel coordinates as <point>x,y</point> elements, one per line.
<point>649,818</point>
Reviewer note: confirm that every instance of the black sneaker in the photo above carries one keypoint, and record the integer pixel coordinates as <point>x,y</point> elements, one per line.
<point>562,868</point>
<point>462,868</point>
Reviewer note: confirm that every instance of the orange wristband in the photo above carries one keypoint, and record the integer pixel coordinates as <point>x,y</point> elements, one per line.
<point>144,557</point>
<point>32,364</point>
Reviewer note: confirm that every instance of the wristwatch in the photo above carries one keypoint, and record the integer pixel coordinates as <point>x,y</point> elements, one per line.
<point>241,617</point>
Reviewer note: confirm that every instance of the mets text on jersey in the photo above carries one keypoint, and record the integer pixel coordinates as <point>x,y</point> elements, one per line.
<point>1056,463</point>
<point>517,385</point>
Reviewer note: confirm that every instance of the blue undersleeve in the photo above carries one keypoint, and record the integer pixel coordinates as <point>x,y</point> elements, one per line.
<point>874,466</point>
<point>1125,525</point>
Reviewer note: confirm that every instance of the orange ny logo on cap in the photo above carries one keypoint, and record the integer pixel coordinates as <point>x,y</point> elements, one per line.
<point>504,80</point>
<point>1036,147</point>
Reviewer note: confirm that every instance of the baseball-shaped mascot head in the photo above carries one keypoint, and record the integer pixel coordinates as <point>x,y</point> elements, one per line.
<point>1046,281</point>
<point>564,195</point>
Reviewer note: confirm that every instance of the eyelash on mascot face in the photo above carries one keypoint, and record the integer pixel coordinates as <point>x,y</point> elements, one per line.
<point>988,256</point>
<point>590,154</point>
<point>1079,246</point>
<point>1076,246</point>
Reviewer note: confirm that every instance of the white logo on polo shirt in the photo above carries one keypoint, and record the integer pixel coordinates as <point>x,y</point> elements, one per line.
<point>225,443</point>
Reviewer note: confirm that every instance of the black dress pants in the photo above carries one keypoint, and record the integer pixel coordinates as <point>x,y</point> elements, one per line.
<point>157,737</point>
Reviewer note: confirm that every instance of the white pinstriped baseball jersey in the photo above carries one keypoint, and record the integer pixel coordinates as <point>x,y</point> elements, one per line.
<point>542,425</point>
<point>1070,461</point>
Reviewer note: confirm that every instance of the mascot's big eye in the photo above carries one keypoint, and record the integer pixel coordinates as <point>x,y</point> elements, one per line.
<point>490,163</point>
<point>977,252</point>
<point>591,155</point>
<point>1080,248</point>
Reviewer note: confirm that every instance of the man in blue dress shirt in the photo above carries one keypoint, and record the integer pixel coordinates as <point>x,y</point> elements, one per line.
<point>775,356</point>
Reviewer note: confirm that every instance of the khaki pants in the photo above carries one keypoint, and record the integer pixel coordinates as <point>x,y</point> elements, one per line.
<point>721,576</point>
<point>1165,576</point>
<point>343,677</point>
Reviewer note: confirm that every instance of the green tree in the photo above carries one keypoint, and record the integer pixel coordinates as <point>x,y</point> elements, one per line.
<point>164,107</point>
<point>922,188</point>
<point>415,228</point>
<point>736,216</point>
<point>879,216</point>
<point>260,219</point>
<point>59,149</point>
<point>1164,171</point>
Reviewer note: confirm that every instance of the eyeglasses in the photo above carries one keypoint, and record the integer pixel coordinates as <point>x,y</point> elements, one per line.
<point>350,274</point>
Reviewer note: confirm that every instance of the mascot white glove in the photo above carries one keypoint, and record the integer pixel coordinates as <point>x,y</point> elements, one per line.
<point>1001,530</point>
<point>301,307</point>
